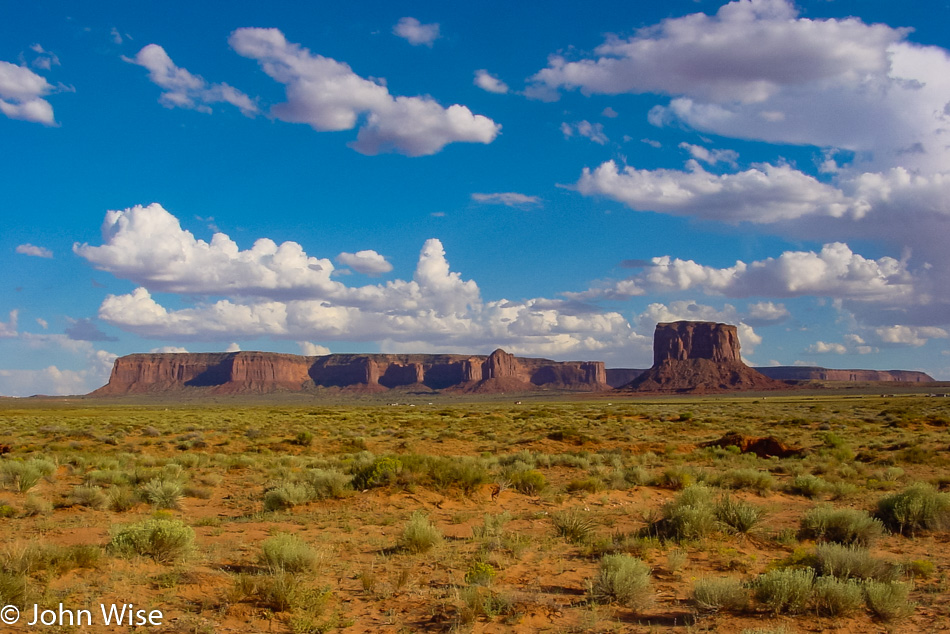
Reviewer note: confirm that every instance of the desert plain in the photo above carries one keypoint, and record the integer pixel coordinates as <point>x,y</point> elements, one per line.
<point>482,514</point>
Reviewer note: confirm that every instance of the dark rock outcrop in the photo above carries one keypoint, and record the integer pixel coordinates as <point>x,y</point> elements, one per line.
<point>263,372</point>
<point>698,356</point>
<point>765,447</point>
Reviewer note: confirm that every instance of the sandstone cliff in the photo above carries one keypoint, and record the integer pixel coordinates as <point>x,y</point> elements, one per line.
<point>814,373</point>
<point>263,372</point>
<point>697,356</point>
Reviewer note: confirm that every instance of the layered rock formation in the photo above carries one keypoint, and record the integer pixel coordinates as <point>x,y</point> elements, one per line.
<point>698,356</point>
<point>263,372</point>
<point>815,373</point>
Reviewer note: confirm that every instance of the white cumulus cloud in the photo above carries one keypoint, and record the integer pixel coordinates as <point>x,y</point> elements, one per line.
<point>35,251</point>
<point>368,262</point>
<point>415,32</point>
<point>311,349</point>
<point>488,82</point>
<point>185,90</point>
<point>21,95</point>
<point>328,95</point>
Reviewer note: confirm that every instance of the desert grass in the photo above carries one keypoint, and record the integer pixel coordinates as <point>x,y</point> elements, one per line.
<point>482,516</point>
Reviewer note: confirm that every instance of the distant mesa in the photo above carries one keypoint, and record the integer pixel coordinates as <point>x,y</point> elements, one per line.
<point>696,357</point>
<point>688,357</point>
<point>268,372</point>
<point>815,373</point>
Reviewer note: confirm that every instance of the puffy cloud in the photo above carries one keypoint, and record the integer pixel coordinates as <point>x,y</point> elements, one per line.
<point>310,349</point>
<point>909,335</point>
<point>487,81</point>
<point>233,347</point>
<point>765,313</point>
<point>148,246</point>
<point>21,95</point>
<point>711,157</point>
<point>820,347</point>
<point>368,262</point>
<point>184,90</point>
<point>835,271</point>
<point>747,52</point>
<point>416,33</point>
<point>509,199</point>
<point>763,194</point>
<point>169,350</point>
<point>592,131</point>
<point>35,251</point>
<point>291,297</point>
<point>328,95</point>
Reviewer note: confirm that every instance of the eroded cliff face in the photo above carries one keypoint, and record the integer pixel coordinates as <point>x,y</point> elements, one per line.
<point>684,340</point>
<point>263,372</point>
<point>698,356</point>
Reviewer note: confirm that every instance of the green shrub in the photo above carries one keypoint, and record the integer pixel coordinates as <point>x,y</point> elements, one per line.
<point>23,476</point>
<point>280,592</point>
<point>122,499</point>
<point>751,479</point>
<point>846,562</point>
<point>844,526</point>
<point>287,553</point>
<point>528,481</point>
<point>35,557</point>
<point>91,497</point>
<point>493,526</point>
<point>162,493</point>
<point>837,597</point>
<point>589,484</point>
<point>785,591</point>
<point>478,601</point>
<point>285,496</point>
<point>164,540</point>
<point>12,589</point>
<point>917,508</point>
<point>419,535</point>
<point>810,486</point>
<point>36,506</point>
<point>690,515</point>
<point>380,472</point>
<point>888,600</point>
<point>723,593</point>
<point>738,516</point>
<point>303,438</point>
<point>623,579</point>
<point>574,526</point>
<point>676,478</point>
<point>325,484</point>
<point>480,573</point>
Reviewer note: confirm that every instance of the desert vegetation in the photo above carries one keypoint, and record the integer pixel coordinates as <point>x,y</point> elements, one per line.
<point>584,516</point>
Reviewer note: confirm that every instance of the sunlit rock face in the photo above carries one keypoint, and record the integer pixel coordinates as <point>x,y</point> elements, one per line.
<point>265,372</point>
<point>698,356</point>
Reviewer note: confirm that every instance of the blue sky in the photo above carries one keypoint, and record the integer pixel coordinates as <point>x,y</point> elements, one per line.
<point>550,178</point>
